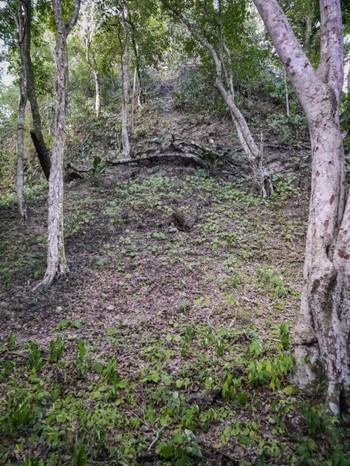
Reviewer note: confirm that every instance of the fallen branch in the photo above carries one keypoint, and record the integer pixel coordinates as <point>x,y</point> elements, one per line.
<point>157,156</point>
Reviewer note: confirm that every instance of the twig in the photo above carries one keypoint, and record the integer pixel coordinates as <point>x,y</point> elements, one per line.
<point>156,438</point>
<point>14,354</point>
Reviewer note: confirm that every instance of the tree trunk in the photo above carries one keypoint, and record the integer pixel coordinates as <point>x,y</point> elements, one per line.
<point>135,100</point>
<point>22,27</point>
<point>262,182</point>
<point>56,258</point>
<point>323,329</point>
<point>137,72</point>
<point>37,136</point>
<point>20,135</point>
<point>287,95</point>
<point>125,86</point>
<point>97,93</point>
<point>27,89</point>
<point>322,334</point>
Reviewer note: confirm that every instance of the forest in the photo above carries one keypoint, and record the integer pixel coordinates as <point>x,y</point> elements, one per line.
<point>175,232</point>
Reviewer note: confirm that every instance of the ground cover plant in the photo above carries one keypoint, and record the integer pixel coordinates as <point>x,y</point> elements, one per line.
<point>163,347</point>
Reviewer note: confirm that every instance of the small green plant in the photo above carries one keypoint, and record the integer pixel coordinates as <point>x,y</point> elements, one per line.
<point>65,323</point>
<point>20,414</point>
<point>79,456</point>
<point>272,282</point>
<point>284,335</point>
<point>82,360</point>
<point>11,341</point>
<point>35,356</point>
<point>180,449</point>
<point>315,419</point>
<point>109,372</point>
<point>56,349</point>
<point>97,167</point>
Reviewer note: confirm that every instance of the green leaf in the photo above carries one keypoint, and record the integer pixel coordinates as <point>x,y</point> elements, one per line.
<point>79,456</point>
<point>244,440</point>
<point>166,450</point>
<point>98,367</point>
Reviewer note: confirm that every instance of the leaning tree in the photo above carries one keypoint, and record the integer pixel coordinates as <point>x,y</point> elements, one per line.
<point>322,334</point>
<point>210,24</point>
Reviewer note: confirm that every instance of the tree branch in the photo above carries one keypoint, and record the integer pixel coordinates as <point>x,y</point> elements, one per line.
<point>331,68</point>
<point>297,65</point>
<point>74,18</point>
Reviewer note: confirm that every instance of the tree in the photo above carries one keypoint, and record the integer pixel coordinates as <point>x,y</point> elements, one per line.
<point>224,80</point>
<point>89,28</point>
<point>22,17</point>
<point>323,331</point>
<point>36,134</point>
<point>125,62</point>
<point>56,258</point>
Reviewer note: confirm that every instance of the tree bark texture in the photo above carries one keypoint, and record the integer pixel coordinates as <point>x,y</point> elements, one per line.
<point>56,258</point>
<point>97,92</point>
<point>323,330</point>
<point>36,134</point>
<point>224,82</point>
<point>20,18</point>
<point>91,59</point>
<point>21,123</point>
<point>125,84</point>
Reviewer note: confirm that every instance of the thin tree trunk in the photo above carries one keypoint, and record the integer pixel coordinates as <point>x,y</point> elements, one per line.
<point>262,182</point>
<point>135,100</point>
<point>287,95</point>
<point>22,27</point>
<point>308,29</point>
<point>137,68</point>
<point>91,59</point>
<point>125,85</point>
<point>322,334</point>
<point>20,137</point>
<point>97,93</point>
<point>56,258</point>
<point>36,134</point>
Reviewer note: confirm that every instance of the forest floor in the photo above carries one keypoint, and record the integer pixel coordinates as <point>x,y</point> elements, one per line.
<point>160,346</point>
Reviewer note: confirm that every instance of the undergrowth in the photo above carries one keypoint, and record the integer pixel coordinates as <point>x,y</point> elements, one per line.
<point>184,354</point>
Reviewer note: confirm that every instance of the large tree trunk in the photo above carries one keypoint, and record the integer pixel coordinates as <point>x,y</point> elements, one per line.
<point>125,85</point>
<point>323,331</point>
<point>56,258</point>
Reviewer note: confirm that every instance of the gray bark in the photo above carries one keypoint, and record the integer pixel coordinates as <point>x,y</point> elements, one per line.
<point>135,100</point>
<point>20,137</point>
<point>36,134</point>
<point>21,20</point>
<point>323,329</point>
<point>125,84</point>
<point>92,62</point>
<point>56,259</point>
<point>97,93</point>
